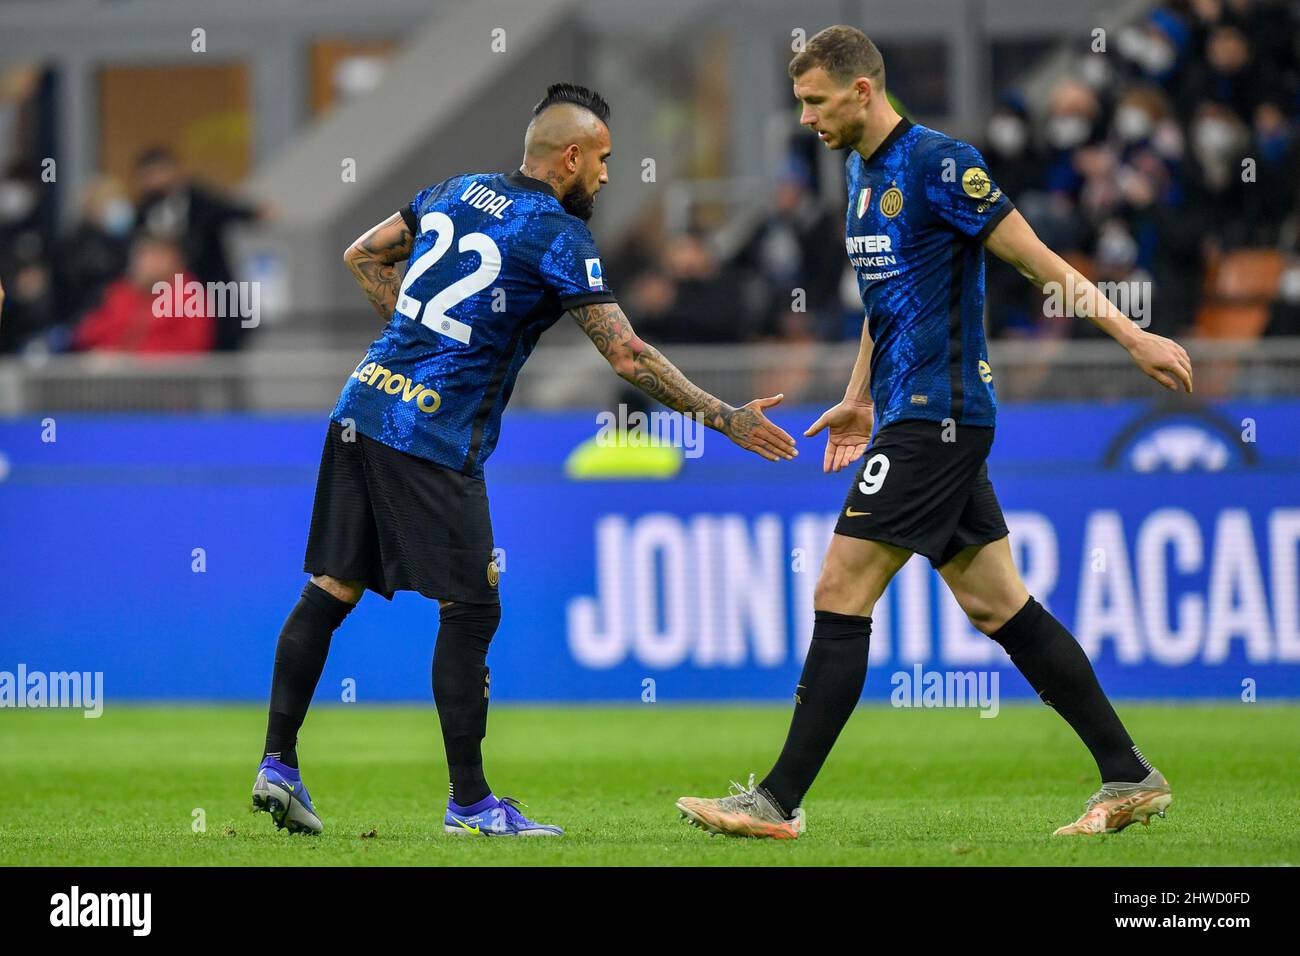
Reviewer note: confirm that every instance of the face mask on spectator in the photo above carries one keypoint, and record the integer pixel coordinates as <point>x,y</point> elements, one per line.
<point>1067,132</point>
<point>1116,247</point>
<point>1133,123</point>
<point>1007,135</point>
<point>1152,55</point>
<point>17,200</point>
<point>1158,57</point>
<point>1094,71</point>
<point>1214,138</point>
<point>1288,289</point>
<point>117,217</point>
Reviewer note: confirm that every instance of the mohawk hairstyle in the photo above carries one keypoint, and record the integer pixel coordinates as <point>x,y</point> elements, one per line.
<point>577,95</point>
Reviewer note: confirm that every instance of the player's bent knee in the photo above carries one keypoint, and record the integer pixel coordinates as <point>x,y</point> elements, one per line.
<point>988,616</point>
<point>833,593</point>
<point>986,621</point>
<point>844,590</point>
<point>349,591</point>
<point>480,620</point>
<point>854,574</point>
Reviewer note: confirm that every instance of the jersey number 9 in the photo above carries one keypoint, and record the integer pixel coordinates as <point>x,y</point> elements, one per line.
<point>873,474</point>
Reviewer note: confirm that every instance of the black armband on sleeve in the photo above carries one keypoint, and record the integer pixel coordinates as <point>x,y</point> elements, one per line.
<point>586,298</point>
<point>408,217</point>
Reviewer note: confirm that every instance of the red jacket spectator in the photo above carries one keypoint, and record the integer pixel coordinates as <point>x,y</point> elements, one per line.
<point>133,318</point>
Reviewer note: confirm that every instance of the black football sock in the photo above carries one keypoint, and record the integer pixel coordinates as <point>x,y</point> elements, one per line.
<point>829,688</point>
<point>460,691</point>
<point>1058,669</point>
<point>299,659</point>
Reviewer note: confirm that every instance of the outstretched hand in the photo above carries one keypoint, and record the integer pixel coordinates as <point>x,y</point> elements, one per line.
<point>1163,359</point>
<point>749,428</point>
<point>849,425</point>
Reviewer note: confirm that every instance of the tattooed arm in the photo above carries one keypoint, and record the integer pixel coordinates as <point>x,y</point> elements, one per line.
<point>646,367</point>
<point>373,259</point>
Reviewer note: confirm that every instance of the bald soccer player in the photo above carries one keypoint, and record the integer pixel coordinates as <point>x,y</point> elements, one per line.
<point>494,260</point>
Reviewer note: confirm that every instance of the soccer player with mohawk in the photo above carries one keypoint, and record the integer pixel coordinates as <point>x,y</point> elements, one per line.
<point>402,503</point>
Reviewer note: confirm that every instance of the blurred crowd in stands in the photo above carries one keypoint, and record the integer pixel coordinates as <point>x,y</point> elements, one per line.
<point>1168,161</point>
<point>93,286</point>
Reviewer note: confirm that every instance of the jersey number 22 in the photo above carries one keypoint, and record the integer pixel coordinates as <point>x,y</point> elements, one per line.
<point>433,313</point>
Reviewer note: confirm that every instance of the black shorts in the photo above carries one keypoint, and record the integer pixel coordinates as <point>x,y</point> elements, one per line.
<point>400,523</point>
<point>919,492</point>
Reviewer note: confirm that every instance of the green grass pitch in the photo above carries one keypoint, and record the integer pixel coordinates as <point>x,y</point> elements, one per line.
<point>903,787</point>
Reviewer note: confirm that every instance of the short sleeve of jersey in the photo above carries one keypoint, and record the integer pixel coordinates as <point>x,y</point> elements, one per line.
<point>410,213</point>
<point>961,192</point>
<point>571,267</point>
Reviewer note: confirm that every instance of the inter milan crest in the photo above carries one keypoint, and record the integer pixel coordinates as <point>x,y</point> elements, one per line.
<point>891,203</point>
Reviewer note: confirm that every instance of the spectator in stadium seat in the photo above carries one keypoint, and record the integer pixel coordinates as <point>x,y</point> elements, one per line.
<point>1275,197</point>
<point>691,298</point>
<point>1217,144</point>
<point>29,309</point>
<point>1073,121</point>
<point>1016,163</point>
<point>129,320</point>
<point>1155,50</point>
<point>1226,74</point>
<point>94,253</point>
<point>169,203</point>
<point>796,246</point>
<point>1013,156</point>
<point>24,209</point>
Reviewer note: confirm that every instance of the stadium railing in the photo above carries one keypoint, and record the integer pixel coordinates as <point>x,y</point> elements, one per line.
<point>575,376</point>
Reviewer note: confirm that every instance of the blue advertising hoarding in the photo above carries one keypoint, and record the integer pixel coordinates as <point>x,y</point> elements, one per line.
<point>166,551</point>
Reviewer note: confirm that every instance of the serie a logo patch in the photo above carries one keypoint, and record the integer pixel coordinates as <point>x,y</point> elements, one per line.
<point>595,274</point>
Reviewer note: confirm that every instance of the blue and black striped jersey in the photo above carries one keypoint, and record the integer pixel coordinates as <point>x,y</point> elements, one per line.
<point>496,260</point>
<point>920,208</point>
